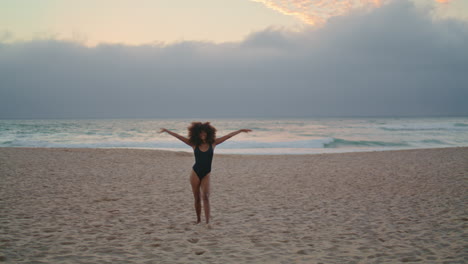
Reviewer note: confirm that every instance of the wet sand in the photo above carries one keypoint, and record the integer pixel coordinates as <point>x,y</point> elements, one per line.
<point>136,206</point>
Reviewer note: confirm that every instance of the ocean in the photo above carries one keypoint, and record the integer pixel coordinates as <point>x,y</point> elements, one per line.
<point>269,136</point>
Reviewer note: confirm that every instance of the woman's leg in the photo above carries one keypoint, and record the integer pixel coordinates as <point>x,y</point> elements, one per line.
<point>195,182</point>
<point>205,193</point>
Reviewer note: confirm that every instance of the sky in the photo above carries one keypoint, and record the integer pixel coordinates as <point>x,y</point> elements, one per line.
<point>233,58</point>
<point>167,21</point>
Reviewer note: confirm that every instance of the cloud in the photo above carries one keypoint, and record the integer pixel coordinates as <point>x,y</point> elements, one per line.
<point>317,12</point>
<point>5,36</point>
<point>393,61</point>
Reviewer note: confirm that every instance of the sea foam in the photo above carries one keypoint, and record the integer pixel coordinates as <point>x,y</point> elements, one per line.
<point>269,136</point>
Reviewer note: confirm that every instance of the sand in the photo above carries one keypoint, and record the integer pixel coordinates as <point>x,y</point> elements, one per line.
<point>136,206</point>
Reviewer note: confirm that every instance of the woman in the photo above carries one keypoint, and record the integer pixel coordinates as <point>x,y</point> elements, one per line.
<point>202,138</point>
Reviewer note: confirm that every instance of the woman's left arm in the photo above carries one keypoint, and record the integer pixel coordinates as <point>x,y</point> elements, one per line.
<point>230,135</point>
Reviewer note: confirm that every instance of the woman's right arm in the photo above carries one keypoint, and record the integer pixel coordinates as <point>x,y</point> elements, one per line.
<point>179,137</point>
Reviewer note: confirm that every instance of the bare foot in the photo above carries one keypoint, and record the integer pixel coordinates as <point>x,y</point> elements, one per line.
<point>208,226</point>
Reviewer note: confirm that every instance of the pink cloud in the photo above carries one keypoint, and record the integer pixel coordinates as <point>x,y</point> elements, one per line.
<point>317,12</point>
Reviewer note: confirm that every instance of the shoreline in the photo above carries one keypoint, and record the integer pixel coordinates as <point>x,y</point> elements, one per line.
<point>136,206</point>
<point>188,151</point>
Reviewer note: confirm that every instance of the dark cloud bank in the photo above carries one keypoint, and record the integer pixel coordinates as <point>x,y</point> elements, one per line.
<point>394,61</point>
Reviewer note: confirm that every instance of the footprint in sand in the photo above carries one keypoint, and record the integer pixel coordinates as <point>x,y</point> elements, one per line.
<point>199,251</point>
<point>67,243</point>
<point>193,240</point>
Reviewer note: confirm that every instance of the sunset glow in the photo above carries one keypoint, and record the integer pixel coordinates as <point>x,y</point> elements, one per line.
<point>164,22</point>
<point>317,12</point>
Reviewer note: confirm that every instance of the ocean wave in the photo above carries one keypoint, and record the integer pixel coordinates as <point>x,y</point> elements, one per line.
<point>326,142</point>
<point>269,136</point>
<point>311,143</point>
<point>426,127</point>
<point>460,125</point>
<point>434,141</point>
<point>338,142</point>
<point>102,144</point>
<point>315,143</point>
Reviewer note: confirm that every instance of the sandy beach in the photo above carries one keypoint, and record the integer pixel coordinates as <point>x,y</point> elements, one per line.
<point>136,206</point>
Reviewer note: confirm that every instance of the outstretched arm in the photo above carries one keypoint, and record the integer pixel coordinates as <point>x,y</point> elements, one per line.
<point>179,137</point>
<point>230,135</point>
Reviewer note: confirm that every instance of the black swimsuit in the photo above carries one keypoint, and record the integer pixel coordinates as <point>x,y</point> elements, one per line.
<point>203,160</point>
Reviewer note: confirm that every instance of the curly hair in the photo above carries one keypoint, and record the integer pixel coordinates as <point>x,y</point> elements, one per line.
<point>194,133</point>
